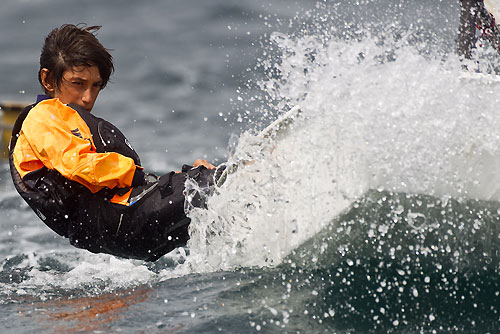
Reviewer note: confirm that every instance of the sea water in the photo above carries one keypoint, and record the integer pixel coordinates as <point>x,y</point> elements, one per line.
<point>377,211</point>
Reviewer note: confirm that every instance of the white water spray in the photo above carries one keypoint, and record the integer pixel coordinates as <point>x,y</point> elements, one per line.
<point>373,119</point>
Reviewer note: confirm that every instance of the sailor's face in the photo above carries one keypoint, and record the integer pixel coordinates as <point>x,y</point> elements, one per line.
<point>80,85</point>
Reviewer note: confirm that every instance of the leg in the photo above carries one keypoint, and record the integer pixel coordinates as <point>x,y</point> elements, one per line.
<point>151,227</point>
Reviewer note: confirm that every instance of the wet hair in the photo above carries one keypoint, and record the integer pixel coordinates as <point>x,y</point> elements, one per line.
<point>74,45</point>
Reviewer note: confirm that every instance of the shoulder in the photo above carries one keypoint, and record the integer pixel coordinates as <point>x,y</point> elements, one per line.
<point>48,111</point>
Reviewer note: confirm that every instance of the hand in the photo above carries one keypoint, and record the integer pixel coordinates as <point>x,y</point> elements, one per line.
<point>205,163</point>
<point>150,178</point>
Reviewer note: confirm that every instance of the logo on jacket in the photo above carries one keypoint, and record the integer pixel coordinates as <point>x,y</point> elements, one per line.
<point>77,133</point>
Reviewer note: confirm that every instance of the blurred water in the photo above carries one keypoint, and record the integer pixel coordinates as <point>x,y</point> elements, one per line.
<point>377,212</point>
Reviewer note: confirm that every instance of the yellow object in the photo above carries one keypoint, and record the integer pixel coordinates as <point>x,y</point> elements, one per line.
<point>9,112</point>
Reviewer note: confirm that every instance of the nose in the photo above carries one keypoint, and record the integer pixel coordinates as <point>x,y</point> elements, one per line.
<point>87,96</point>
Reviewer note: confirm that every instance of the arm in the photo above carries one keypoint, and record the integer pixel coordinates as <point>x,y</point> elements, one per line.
<point>73,155</point>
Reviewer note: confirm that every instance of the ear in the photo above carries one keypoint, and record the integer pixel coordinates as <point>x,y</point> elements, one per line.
<point>46,80</point>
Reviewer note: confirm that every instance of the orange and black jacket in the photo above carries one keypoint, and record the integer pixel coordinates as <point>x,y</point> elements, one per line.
<point>58,152</point>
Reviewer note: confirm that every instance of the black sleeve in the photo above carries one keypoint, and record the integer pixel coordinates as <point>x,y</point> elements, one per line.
<point>139,178</point>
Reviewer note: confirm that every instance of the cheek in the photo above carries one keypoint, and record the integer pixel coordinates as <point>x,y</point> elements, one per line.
<point>67,96</point>
<point>95,93</point>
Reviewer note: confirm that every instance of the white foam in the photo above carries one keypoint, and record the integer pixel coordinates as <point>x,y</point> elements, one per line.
<point>410,123</point>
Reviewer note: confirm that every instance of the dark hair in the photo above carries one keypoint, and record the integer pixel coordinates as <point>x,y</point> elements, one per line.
<point>69,46</point>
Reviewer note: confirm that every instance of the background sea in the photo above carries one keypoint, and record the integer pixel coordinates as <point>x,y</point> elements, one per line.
<point>378,212</point>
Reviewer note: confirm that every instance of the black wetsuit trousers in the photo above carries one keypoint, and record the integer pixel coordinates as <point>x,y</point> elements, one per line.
<point>147,229</point>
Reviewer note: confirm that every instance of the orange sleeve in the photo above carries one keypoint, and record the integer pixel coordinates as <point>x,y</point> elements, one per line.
<point>52,141</point>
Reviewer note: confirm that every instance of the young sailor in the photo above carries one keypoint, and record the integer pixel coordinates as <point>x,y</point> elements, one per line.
<point>80,174</point>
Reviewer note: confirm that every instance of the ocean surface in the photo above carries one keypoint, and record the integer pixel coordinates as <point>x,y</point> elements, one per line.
<point>377,211</point>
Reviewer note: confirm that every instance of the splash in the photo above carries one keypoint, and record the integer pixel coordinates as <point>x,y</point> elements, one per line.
<point>378,113</point>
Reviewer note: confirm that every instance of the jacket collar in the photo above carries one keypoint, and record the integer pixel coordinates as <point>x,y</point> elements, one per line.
<point>42,97</point>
